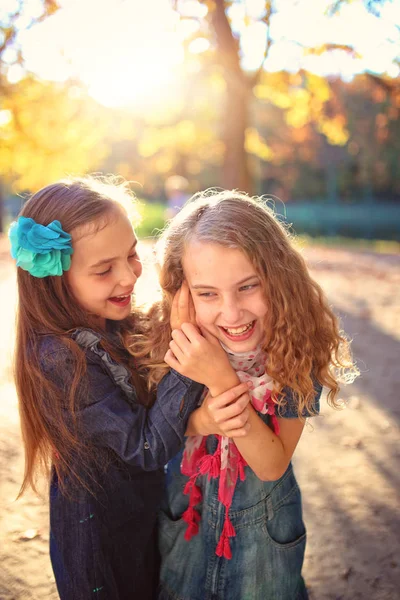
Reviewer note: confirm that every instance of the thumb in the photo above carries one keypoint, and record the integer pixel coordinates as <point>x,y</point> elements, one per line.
<point>209,337</point>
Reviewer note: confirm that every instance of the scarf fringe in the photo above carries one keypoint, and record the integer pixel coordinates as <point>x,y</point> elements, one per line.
<point>210,465</point>
<point>223,548</point>
<point>193,491</point>
<point>192,517</point>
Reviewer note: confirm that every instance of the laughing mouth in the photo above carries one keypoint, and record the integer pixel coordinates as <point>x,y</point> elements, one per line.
<point>238,330</point>
<point>121,298</point>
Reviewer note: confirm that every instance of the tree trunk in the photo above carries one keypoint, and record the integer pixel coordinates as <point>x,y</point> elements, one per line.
<point>235,171</point>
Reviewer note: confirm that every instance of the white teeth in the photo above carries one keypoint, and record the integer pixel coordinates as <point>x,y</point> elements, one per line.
<point>121,297</point>
<point>238,330</point>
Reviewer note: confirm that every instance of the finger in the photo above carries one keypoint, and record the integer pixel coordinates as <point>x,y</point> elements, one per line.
<point>237,433</point>
<point>171,360</point>
<point>229,396</point>
<point>192,311</point>
<point>235,409</point>
<point>209,337</point>
<point>183,303</point>
<point>237,422</point>
<point>192,333</point>
<point>181,340</point>
<point>174,317</point>
<point>179,355</point>
<point>175,301</point>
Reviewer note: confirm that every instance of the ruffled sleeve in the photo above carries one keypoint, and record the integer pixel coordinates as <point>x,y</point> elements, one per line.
<point>290,410</point>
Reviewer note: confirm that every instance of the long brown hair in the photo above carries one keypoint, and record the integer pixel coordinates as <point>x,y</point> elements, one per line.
<point>47,307</point>
<point>302,336</point>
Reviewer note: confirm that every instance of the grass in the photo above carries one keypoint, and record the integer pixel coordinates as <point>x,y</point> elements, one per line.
<point>152,219</point>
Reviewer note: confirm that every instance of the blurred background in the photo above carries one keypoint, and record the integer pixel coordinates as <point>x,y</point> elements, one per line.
<point>298,99</point>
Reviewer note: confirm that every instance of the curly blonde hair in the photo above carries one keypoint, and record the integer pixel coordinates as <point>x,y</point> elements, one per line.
<point>302,340</point>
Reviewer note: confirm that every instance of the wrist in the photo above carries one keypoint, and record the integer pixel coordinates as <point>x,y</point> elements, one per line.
<point>225,382</point>
<point>196,425</point>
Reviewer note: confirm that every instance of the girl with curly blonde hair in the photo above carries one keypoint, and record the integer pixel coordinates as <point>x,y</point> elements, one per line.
<point>231,526</point>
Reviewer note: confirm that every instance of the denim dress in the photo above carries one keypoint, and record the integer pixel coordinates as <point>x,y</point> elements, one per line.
<point>103,545</point>
<point>267,550</point>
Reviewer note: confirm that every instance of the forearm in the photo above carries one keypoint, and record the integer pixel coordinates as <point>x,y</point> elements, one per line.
<point>195,424</point>
<point>263,450</point>
<point>142,437</point>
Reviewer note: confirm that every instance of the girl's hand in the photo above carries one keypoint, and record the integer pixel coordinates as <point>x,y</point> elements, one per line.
<point>200,358</point>
<point>226,414</point>
<point>182,310</point>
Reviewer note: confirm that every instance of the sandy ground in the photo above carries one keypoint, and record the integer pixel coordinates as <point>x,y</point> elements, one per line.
<point>347,461</point>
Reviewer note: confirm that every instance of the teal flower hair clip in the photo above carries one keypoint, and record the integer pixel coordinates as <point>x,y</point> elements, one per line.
<point>41,250</point>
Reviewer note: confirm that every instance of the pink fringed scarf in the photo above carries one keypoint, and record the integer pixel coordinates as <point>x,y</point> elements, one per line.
<point>226,463</point>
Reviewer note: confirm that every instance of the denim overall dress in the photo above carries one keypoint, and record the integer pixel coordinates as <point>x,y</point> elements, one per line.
<point>267,550</point>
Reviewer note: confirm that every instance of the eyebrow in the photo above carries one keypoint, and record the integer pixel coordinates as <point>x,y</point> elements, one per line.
<point>211,287</point>
<point>103,261</point>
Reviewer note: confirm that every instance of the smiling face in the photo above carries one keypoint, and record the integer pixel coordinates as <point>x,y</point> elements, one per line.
<point>227,294</point>
<point>105,267</point>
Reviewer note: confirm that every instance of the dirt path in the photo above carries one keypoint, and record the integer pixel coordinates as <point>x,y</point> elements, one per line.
<point>347,461</point>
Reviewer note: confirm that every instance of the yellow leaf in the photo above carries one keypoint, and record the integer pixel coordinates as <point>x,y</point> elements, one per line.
<point>255,144</point>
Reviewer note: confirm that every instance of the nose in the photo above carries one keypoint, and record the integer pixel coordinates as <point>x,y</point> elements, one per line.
<point>231,311</point>
<point>128,275</point>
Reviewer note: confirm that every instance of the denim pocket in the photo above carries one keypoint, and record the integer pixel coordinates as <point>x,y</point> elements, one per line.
<point>183,563</point>
<point>169,530</point>
<point>284,525</point>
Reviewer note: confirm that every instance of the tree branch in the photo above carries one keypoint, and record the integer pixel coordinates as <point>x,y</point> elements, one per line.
<point>227,44</point>
<point>268,42</point>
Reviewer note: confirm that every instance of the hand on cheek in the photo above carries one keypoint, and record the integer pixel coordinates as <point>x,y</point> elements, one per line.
<point>182,310</point>
<point>200,358</point>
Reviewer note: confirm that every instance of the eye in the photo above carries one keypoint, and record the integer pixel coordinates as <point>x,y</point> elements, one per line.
<point>206,294</point>
<point>251,286</point>
<point>134,256</point>
<point>104,272</point>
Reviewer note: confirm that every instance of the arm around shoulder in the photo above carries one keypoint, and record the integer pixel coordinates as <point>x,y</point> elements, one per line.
<point>140,436</point>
